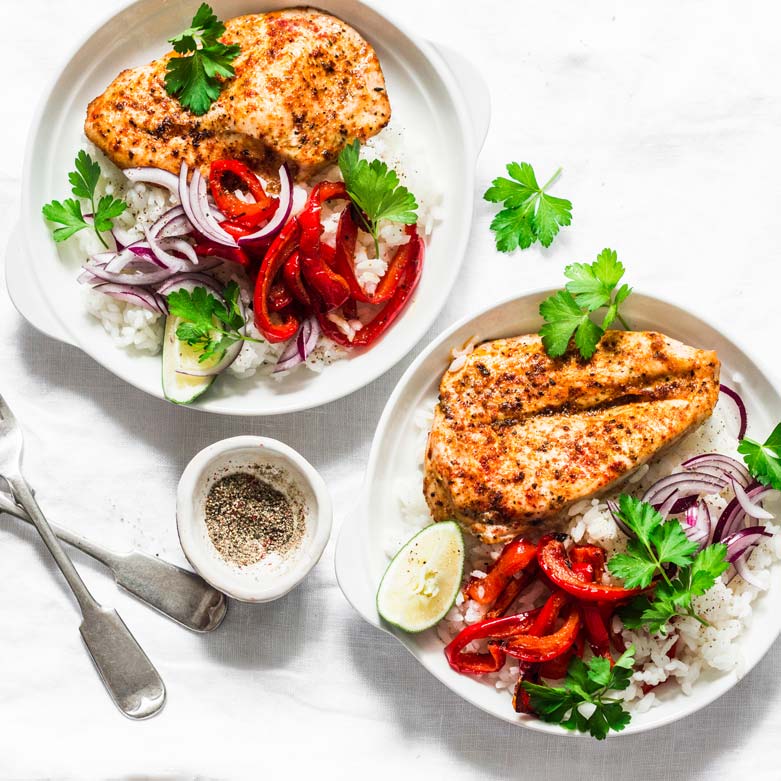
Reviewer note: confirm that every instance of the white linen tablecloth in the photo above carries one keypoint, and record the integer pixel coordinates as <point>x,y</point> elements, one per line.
<point>666,119</point>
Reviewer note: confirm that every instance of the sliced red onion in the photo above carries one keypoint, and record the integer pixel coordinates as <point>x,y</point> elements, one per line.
<point>179,226</point>
<point>307,337</point>
<point>735,396</point>
<point>150,175</point>
<point>751,509</point>
<point>289,358</point>
<point>741,568</point>
<point>189,281</point>
<point>683,484</point>
<point>733,515</point>
<point>204,220</point>
<point>166,219</point>
<point>697,524</point>
<point>743,540</point>
<point>274,225</point>
<point>615,512</point>
<point>136,296</point>
<point>122,237</point>
<point>163,251</point>
<point>137,278</point>
<point>721,466</point>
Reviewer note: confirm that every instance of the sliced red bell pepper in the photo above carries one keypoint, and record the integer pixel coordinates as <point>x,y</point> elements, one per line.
<point>279,297</point>
<point>331,288</point>
<point>291,273</point>
<point>514,558</point>
<point>587,560</point>
<point>596,631</point>
<point>589,554</point>
<point>557,668</point>
<point>553,561</point>
<point>512,591</point>
<point>279,251</point>
<point>531,648</point>
<point>550,612</point>
<point>248,214</point>
<point>499,628</point>
<point>521,698</point>
<point>233,254</point>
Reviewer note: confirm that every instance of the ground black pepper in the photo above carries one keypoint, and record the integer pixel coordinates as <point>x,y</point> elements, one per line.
<point>247,518</point>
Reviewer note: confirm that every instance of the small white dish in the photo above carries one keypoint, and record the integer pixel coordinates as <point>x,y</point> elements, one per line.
<point>360,556</point>
<point>272,577</point>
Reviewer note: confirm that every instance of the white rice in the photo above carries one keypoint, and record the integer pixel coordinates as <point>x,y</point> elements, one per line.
<point>136,328</point>
<point>697,648</point>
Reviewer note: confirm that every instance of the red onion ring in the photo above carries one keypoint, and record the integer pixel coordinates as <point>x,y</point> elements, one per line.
<point>735,396</point>
<point>751,509</point>
<point>151,175</point>
<point>722,466</point>
<point>136,296</point>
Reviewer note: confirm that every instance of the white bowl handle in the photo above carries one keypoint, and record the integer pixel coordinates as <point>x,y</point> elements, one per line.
<point>352,569</point>
<point>475,91</point>
<point>23,290</point>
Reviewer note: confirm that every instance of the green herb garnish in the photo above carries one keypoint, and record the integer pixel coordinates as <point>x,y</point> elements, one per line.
<point>764,461</point>
<point>195,77</point>
<point>529,213</point>
<point>376,191</point>
<point>658,544</point>
<point>68,214</point>
<point>592,286</point>
<point>583,702</point>
<point>208,322</point>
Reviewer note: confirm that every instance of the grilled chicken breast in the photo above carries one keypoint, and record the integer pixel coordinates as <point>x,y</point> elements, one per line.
<point>306,84</point>
<point>518,436</point>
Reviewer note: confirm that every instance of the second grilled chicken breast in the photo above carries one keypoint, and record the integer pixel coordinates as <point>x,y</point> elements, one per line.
<point>306,84</point>
<point>518,436</point>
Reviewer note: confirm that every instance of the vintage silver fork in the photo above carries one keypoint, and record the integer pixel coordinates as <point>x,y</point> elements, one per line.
<point>130,678</point>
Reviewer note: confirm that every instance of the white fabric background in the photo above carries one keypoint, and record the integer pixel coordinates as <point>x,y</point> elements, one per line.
<point>666,118</point>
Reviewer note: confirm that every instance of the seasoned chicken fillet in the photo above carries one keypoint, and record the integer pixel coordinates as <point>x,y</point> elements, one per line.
<point>306,84</point>
<point>518,436</point>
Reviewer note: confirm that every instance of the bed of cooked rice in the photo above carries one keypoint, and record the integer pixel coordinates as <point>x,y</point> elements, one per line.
<point>689,648</point>
<point>139,329</point>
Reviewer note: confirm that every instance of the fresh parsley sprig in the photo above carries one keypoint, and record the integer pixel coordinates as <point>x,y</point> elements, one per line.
<point>584,703</point>
<point>658,545</point>
<point>530,214</point>
<point>194,78</point>
<point>68,213</point>
<point>764,460</point>
<point>592,286</point>
<point>376,192</point>
<point>207,322</point>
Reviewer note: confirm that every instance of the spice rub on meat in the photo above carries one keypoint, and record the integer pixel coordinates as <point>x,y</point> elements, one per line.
<point>306,84</point>
<point>518,436</point>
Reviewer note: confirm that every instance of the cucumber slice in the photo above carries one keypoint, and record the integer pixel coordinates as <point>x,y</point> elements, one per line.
<point>422,581</point>
<point>181,388</point>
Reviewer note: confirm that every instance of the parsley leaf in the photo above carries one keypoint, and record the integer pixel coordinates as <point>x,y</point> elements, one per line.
<point>529,213</point>
<point>567,313</point>
<point>587,684</point>
<point>764,461</point>
<point>376,192</point>
<point>194,78</point>
<point>207,322</point>
<point>68,213</point>
<point>658,545</point>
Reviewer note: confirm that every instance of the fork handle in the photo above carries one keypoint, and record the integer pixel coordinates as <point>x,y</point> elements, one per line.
<point>24,496</point>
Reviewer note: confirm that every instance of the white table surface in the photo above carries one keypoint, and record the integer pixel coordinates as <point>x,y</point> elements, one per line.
<point>666,118</point>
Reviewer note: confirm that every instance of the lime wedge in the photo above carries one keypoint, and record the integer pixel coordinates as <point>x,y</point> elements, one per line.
<point>178,357</point>
<point>423,579</point>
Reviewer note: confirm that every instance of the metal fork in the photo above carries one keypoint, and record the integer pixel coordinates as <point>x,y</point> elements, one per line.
<point>130,678</point>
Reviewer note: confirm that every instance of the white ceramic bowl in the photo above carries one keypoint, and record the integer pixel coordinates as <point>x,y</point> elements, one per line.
<point>436,95</point>
<point>360,555</point>
<point>259,582</point>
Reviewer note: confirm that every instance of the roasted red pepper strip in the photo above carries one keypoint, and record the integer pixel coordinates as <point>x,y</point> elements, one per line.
<point>521,699</point>
<point>514,558</point>
<point>291,273</point>
<point>557,668</point>
<point>511,591</point>
<point>596,631</point>
<point>550,612</point>
<point>279,251</point>
<point>250,214</point>
<point>589,554</point>
<point>530,648</point>
<point>553,561</point>
<point>498,628</point>
<point>279,297</point>
<point>331,288</point>
<point>233,254</point>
